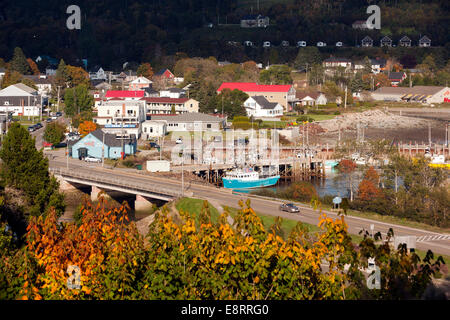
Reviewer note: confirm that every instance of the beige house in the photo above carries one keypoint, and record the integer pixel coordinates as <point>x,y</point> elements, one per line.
<point>418,94</point>
<point>163,105</point>
<point>282,94</point>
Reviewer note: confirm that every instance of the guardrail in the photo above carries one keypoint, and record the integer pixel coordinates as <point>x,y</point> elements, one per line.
<point>157,189</point>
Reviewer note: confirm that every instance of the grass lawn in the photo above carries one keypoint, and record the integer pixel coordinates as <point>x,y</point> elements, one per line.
<point>194,206</point>
<point>320,117</point>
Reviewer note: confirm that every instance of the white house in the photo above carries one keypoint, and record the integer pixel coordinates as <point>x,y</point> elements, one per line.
<point>258,106</point>
<point>140,83</point>
<point>21,100</point>
<point>42,82</point>
<point>174,93</point>
<point>154,129</point>
<point>192,122</point>
<point>311,98</point>
<point>334,62</point>
<point>121,116</point>
<point>99,75</point>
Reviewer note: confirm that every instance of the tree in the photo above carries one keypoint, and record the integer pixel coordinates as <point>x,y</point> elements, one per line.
<point>346,168</point>
<point>10,78</point>
<point>29,83</point>
<point>77,76</point>
<point>145,70</point>
<point>307,57</point>
<point>33,66</point>
<point>368,189</point>
<point>54,132</point>
<point>26,169</point>
<point>276,75</point>
<point>232,101</point>
<point>61,79</point>
<point>19,62</point>
<point>78,100</point>
<point>86,127</point>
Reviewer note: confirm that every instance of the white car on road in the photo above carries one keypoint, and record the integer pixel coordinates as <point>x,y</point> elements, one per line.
<point>92,159</point>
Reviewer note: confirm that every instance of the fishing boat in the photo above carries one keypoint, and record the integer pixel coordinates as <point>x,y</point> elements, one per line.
<point>247,178</point>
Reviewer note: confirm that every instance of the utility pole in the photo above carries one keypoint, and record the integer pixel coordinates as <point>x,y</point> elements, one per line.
<point>222,107</point>
<point>345,98</point>
<point>67,155</point>
<point>429,134</point>
<point>103,149</point>
<point>59,87</point>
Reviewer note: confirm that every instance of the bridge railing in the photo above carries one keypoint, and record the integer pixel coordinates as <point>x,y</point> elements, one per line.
<point>115,182</point>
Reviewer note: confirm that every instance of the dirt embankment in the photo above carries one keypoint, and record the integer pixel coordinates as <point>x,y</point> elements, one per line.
<point>378,124</point>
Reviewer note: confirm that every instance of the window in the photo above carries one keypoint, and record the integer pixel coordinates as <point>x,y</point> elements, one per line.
<point>151,129</point>
<point>6,103</point>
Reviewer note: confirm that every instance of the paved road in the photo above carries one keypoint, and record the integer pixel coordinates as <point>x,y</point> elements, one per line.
<point>263,206</point>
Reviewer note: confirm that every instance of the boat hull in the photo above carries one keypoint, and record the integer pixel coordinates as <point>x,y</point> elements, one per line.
<point>242,184</point>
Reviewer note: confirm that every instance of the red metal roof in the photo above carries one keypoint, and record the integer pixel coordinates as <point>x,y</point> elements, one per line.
<point>253,87</point>
<point>124,94</point>
<point>164,100</point>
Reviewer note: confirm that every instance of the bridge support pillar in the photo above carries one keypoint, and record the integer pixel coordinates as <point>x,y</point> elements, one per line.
<point>64,185</point>
<point>94,193</point>
<point>142,203</point>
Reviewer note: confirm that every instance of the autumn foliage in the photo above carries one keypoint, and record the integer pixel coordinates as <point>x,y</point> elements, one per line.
<point>86,127</point>
<point>181,258</point>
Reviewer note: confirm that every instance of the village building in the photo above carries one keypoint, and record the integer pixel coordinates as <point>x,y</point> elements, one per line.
<point>419,94</point>
<point>21,100</point>
<point>282,94</point>
<point>99,144</point>
<point>259,107</point>
<point>192,122</point>
<point>254,21</point>
<point>311,98</point>
<point>163,105</point>
<point>140,83</point>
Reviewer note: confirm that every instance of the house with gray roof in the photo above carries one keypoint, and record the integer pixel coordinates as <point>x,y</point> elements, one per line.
<point>418,94</point>
<point>99,141</point>
<point>260,107</point>
<point>191,121</point>
<point>21,100</point>
<point>367,42</point>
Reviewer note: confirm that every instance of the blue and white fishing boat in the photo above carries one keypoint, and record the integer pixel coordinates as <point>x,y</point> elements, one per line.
<point>247,178</point>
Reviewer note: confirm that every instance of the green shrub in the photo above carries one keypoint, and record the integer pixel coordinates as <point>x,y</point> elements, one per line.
<point>304,118</point>
<point>328,106</point>
<point>129,163</point>
<point>240,119</point>
<point>337,113</point>
<point>245,125</point>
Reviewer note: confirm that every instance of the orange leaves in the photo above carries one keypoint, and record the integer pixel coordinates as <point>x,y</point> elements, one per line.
<point>87,127</point>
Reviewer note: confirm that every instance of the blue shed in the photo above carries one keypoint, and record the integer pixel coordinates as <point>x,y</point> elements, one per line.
<point>91,145</point>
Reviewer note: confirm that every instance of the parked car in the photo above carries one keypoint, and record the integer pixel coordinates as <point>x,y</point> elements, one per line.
<point>59,114</point>
<point>289,207</point>
<point>54,117</point>
<point>154,145</point>
<point>32,128</point>
<point>179,141</point>
<point>48,120</point>
<point>38,125</point>
<point>73,137</point>
<point>92,159</point>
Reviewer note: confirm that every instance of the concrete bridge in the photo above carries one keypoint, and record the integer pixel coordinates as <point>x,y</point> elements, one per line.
<point>102,181</point>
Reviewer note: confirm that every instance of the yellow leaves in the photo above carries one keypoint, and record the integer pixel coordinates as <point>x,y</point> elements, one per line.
<point>146,286</point>
<point>181,246</point>
<point>256,280</point>
<point>86,290</point>
<point>233,261</point>
<point>25,284</point>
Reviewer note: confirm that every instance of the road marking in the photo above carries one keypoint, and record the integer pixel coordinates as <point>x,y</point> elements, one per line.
<point>432,238</point>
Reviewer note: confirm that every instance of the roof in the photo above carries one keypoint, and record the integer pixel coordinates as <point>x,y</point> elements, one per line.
<point>25,88</point>
<point>264,103</point>
<point>164,100</point>
<point>141,80</point>
<point>428,90</point>
<point>38,80</point>
<point>253,87</point>
<point>176,90</point>
<point>161,72</point>
<point>111,140</point>
<point>188,117</point>
<point>396,75</point>
<point>424,38</point>
<point>124,94</point>
<point>405,38</point>
<point>386,38</point>
<point>367,38</point>
<point>302,95</point>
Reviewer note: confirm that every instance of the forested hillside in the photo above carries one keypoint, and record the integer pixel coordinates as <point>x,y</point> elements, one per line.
<point>113,32</point>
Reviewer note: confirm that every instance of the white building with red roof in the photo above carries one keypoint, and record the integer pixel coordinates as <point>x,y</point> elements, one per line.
<point>282,94</point>
<point>128,95</point>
